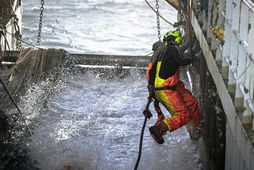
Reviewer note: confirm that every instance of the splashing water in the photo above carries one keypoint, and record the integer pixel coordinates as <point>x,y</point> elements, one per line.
<point>90,122</point>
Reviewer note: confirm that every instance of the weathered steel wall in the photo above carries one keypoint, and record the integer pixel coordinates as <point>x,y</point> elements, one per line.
<point>229,59</point>
<point>212,116</point>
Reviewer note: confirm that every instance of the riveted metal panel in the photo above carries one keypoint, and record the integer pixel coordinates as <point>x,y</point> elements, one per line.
<point>233,50</point>
<point>251,33</point>
<point>239,153</point>
<point>219,53</point>
<point>237,142</point>
<point>211,64</point>
<point>222,11</point>
<point>251,159</point>
<point>209,18</point>
<point>227,45</point>
<point>233,59</point>
<point>244,19</point>
<point>241,63</point>
<point>250,4</point>
<point>250,50</point>
<point>236,15</point>
<point>229,147</point>
<point>250,84</point>
<point>240,69</point>
<point>229,10</point>
<point>215,12</point>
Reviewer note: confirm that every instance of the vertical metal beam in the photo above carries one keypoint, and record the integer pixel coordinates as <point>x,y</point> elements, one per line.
<point>207,111</point>
<point>220,135</point>
<point>202,95</point>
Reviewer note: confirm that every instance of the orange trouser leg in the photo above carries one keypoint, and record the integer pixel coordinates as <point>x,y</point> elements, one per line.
<point>181,105</point>
<point>190,102</point>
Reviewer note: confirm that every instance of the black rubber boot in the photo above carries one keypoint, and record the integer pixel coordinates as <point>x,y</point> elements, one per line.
<point>157,131</point>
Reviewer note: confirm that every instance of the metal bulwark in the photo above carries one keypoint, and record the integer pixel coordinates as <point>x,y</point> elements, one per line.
<point>234,81</point>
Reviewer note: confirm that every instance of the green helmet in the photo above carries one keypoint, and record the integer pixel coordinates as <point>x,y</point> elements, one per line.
<point>173,37</point>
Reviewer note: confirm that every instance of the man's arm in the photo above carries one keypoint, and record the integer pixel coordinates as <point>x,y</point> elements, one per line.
<point>152,73</point>
<point>180,57</point>
<point>154,61</point>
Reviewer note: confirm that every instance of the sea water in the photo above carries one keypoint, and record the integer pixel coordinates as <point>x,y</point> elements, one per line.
<point>88,121</point>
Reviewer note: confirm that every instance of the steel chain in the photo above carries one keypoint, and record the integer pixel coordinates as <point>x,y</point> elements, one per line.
<point>40,23</point>
<point>158,19</point>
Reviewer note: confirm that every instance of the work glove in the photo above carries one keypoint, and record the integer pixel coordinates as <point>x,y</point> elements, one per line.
<point>198,56</point>
<point>151,91</point>
<point>185,45</point>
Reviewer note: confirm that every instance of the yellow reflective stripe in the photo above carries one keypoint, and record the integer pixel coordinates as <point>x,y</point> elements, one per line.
<point>166,122</point>
<point>160,94</point>
<point>158,81</point>
<point>162,97</point>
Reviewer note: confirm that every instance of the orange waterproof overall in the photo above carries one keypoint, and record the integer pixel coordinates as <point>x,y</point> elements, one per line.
<point>178,100</point>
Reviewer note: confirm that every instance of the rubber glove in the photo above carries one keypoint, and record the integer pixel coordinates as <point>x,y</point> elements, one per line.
<point>151,91</point>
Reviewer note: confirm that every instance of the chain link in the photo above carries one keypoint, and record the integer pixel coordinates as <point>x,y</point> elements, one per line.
<point>40,23</point>
<point>158,19</point>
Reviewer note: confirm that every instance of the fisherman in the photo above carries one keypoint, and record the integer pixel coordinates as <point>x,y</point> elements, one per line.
<point>165,86</point>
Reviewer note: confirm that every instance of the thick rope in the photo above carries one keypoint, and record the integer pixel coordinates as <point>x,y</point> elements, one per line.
<point>29,44</point>
<point>147,116</point>
<point>140,143</point>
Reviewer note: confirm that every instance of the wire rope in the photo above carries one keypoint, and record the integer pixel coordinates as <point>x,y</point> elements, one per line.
<point>170,23</point>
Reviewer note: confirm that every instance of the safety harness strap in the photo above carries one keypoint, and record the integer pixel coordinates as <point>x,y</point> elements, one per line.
<point>165,88</point>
